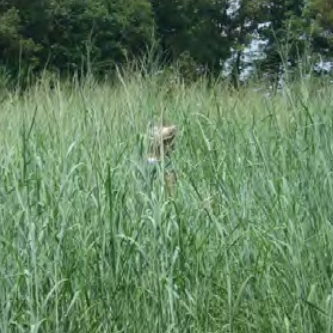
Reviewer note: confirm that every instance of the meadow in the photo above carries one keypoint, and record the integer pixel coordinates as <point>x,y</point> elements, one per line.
<point>87,245</point>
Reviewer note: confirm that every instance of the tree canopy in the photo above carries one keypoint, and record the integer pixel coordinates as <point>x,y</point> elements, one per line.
<point>68,35</point>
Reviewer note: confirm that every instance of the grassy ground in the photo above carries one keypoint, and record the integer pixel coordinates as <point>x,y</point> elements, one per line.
<point>245,246</point>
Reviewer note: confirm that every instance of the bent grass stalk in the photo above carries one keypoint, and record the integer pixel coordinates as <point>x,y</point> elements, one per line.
<point>86,245</point>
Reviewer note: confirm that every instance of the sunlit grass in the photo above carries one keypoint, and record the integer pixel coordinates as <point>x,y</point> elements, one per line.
<point>86,244</point>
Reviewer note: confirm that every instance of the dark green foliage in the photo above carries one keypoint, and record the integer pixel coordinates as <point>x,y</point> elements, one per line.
<point>68,34</point>
<point>99,31</point>
<point>194,27</point>
<point>284,34</point>
<point>320,14</point>
<point>199,35</point>
<point>243,22</point>
<point>12,44</point>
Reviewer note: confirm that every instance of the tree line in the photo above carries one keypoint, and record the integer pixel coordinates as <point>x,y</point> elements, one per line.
<point>201,35</point>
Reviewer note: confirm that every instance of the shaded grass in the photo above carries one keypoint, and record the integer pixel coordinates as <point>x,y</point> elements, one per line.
<point>86,245</point>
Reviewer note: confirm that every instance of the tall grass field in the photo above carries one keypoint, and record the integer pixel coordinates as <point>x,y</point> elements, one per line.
<point>90,243</point>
